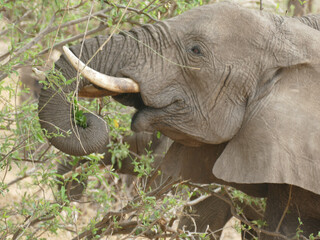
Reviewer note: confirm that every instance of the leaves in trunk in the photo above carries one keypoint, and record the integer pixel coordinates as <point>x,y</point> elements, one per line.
<point>80,118</point>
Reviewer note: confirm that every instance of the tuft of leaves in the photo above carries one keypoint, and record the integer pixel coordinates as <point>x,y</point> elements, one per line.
<point>80,118</point>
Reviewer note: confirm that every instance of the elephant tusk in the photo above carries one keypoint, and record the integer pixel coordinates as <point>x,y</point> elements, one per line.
<point>91,92</point>
<point>39,75</point>
<point>113,84</point>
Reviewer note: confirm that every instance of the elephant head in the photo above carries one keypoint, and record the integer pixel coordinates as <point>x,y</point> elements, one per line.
<point>216,74</point>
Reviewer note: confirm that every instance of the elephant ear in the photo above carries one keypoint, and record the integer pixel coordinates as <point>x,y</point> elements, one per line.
<point>279,141</point>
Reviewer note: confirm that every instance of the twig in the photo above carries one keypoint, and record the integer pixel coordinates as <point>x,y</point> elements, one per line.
<point>285,210</point>
<point>44,152</point>
<point>82,2</point>
<point>258,230</point>
<point>48,30</point>
<point>16,22</point>
<point>29,223</point>
<point>27,174</point>
<point>112,33</point>
<point>106,219</point>
<point>148,5</point>
<point>133,10</point>
<point>58,29</point>
<point>80,169</point>
<point>127,209</point>
<point>234,213</point>
<point>24,159</point>
<point>34,41</point>
<point>154,175</point>
<point>12,150</point>
<point>60,44</point>
<point>74,38</point>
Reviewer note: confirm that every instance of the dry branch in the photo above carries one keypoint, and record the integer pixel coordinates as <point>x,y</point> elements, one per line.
<point>133,10</point>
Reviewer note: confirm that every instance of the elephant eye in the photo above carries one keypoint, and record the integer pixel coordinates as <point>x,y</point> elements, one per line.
<point>196,50</point>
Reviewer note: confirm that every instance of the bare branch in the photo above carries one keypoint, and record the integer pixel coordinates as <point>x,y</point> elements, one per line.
<point>285,210</point>
<point>16,22</point>
<point>133,10</point>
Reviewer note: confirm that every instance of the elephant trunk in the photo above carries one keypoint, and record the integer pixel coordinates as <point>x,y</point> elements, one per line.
<point>312,21</point>
<point>56,108</point>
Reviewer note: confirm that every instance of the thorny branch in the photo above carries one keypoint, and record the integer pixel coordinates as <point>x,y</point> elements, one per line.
<point>107,225</point>
<point>16,22</point>
<point>285,210</point>
<point>230,202</point>
<point>114,222</point>
<point>49,29</point>
<point>29,223</point>
<point>74,38</point>
<point>134,10</point>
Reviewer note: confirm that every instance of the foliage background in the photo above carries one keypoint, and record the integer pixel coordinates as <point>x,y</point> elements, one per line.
<point>32,33</point>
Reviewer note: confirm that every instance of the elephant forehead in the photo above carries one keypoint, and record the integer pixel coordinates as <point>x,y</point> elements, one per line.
<point>219,16</point>
<point>229,30</point>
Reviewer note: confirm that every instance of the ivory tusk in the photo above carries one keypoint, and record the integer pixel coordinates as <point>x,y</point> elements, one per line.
<point>39,75</point>
<point>91,92</point>
<point>113,84</point>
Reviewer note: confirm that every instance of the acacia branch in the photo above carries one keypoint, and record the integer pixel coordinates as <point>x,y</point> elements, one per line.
<point>74,38</point>
<point>16,22</point>
<point>140,12</point>
<point>229,201</point>
<point>49,29</point>
<point>34,41</point>
<point>125,226</point>
<point>285,210</point>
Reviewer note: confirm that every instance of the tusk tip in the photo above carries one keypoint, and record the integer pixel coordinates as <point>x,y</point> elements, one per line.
<point>39,75</point>
<point>67,51</point>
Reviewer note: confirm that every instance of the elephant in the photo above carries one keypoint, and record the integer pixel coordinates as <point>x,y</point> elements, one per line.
<point>234,88</point>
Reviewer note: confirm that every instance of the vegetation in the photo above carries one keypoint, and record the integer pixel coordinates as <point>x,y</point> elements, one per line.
<point>31,206</point>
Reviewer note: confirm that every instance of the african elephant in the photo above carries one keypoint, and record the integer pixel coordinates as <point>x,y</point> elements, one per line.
<point>226,83</point>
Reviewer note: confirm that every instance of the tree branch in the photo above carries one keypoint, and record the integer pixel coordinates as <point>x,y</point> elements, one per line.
<point>133,10</point>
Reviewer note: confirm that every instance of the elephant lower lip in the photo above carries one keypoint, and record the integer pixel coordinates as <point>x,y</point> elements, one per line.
<point>140,121</point>
<point>146,118</point>
<point>150,119</point>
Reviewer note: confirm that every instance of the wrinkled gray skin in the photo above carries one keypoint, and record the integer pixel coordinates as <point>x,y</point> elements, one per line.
<point>249,94</point>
